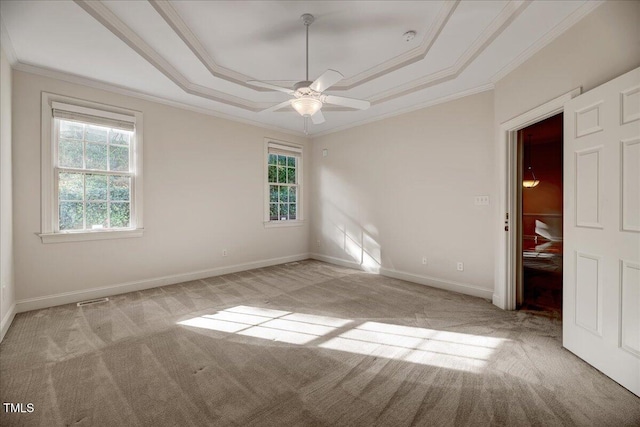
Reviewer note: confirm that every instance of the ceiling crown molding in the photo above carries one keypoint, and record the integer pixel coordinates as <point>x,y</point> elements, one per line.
<point>508,14</point>
<point>177,24</point>
<point>110,21</point>
<point>110,87</point>
<point>414,55</point>
<point>567,23</point>
<point>400,111</point>
<point>7,45</point>
<point>175,21</point>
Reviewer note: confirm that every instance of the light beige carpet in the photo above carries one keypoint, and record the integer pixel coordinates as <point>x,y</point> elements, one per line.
<point>303,344</point>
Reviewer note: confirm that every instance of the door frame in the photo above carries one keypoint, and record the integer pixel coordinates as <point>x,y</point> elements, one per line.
<point>506,268</point>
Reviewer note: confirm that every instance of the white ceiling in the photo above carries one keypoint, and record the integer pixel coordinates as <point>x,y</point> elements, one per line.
<point>199,54</point>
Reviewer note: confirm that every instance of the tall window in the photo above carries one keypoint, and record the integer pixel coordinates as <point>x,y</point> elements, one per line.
<point>284,165</point>
<point>94,176</point>
<point>94,171</point>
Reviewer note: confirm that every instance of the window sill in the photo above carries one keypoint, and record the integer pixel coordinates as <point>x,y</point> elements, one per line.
<point>90,235</point>
<point>277,224</point>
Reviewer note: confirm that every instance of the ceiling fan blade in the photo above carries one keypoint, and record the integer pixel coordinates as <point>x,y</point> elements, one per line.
<point>270,86</point>
<point>358,104</point>
<point>326,80</point>
<point>277,106</point>
<point>317,118</point>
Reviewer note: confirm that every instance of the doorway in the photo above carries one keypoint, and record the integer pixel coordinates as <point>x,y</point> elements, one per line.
<point>540,199</point>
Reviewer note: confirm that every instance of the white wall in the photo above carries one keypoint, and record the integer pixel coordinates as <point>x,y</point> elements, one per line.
<point>394,191</point>
<point>203,192</point>
<point>7,296</point>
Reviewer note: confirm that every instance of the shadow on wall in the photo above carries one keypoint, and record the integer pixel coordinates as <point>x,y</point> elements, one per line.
<point>347,235</point>
<point>351,238</point>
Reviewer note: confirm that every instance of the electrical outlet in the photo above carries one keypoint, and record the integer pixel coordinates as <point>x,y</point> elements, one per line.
<point>460,266</point>
<point>318,243</point>
<point>325,152</point>
<point>424,260</point>
<point>224,252</point>
<point>481,200</point>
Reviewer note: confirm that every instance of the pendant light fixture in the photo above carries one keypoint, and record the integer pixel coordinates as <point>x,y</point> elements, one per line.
<point>529,179</point>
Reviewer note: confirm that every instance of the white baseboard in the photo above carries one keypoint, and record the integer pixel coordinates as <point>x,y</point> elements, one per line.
<point>434,282</point>
<point>105,291</point>
<point>498,301</point>
<point>6,321</point>
<point>462,288</point>
<point>337,261</point>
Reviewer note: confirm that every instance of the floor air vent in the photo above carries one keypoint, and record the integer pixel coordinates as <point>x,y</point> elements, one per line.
<point>292,263</point>
<point>92,301</point>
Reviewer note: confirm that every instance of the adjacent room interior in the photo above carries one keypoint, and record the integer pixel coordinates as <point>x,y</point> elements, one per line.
<point>540,146</point>
<point>320,213</point>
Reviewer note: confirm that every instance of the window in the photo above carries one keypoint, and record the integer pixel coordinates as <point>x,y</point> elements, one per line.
<point>283,182</point>
<point>92,175</point>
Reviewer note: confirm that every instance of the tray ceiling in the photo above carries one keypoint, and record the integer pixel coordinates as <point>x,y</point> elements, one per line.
<point>199,54</point>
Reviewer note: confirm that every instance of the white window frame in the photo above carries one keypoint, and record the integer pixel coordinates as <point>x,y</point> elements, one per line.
<point>298,151</point>
<point>49,182</point>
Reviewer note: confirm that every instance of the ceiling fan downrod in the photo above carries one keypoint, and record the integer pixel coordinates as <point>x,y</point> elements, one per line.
<point>307,19</point>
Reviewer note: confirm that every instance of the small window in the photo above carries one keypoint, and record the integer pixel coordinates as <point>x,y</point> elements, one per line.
<point>93,182</point>
<point>284,187</point>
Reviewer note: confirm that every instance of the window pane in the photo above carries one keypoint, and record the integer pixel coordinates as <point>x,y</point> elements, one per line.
<point>273,174</point>
<point>70,154</point>
<point>119,214</point>
<point>119,137</point>
<point>282,174</point>
<point>95,188</point>
<point>291,175</point>
<point>273,211</point>
<point>292,194</point>
<point>118,158</point>
<point>284,211</point>
<point>273,193</point>
<point>282,160</point>
<point>292,211</point>
<point>71,130</point>
<point>96,156</point>
<point>70,186</point>
<point>291,161</point>
<point>273,159</point>
<point>96,134</point>
<point>96,215</point>
<point>70,214</point>
<point>119,188</point>
<point>284,194</point>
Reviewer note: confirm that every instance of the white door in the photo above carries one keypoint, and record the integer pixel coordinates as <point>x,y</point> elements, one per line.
<point>601,297</point>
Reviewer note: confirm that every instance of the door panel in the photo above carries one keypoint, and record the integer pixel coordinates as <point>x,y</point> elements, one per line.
<point>602,228</point>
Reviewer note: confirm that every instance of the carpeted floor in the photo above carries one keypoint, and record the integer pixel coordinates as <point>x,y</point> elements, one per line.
<point>301,344</point>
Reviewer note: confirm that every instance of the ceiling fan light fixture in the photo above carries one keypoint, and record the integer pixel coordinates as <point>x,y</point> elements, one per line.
<point>306,106</point>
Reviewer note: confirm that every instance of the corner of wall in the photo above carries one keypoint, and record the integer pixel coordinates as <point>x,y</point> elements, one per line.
<point>7,284</point>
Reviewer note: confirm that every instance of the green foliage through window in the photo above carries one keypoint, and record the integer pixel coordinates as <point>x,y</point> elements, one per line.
<point>97,198</point>
<point>283,189</point>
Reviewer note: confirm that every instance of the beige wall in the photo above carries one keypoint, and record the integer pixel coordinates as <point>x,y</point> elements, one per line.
<point>7,296</point>
<point>387,194</point>
<point>604,45</point>
<point>203,192</point>
<point>403,188</point>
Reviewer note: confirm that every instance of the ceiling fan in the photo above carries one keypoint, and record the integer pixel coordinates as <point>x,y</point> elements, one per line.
<point>309,97</point>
